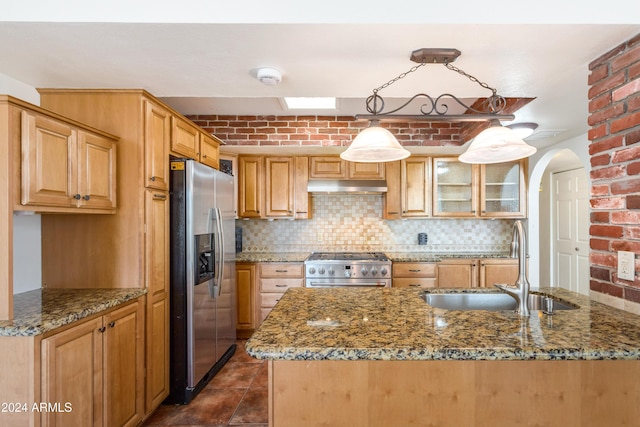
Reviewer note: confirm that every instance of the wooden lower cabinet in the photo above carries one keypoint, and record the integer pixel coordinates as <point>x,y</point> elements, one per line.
<point>380,393</point>
<point>94,371</point>
<point>274,278</point>
<point>422,275</point>
<point>494,271</point>
<point>245,286</point>
<point>458,273</point>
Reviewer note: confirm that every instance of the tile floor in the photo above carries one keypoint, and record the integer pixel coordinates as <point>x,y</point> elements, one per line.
<point>235,397</point>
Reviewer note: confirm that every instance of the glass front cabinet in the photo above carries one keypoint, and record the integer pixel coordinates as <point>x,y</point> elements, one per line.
<point>491,191</point>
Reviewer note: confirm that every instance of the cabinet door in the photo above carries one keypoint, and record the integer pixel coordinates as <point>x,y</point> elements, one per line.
<point>393,196</point>
<point>454,188</point>
<point>72,373</point>
<point>209,150</point>
<point>250,176</point>
<point>493,271</point>
<point>157,283</point>
<point>416,184</point>
<point>301,202</point>
<point>502,190</point>
<point>279,186</point>
<point>457,274</point>
<point>358,170</point>
<point>49,157</point>
<point>245,284</point>
<point>157,134</point>
<point>323,167</point>
<point>123,366</point>
<point>96,171</point>
<point>185,138</point>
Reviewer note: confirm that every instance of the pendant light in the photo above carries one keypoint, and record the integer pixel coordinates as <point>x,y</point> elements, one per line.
<point>493,145</point>
<point>375,144</point>
<point>496,144</point>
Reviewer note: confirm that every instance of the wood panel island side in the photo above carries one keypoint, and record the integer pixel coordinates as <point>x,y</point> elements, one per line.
<point>383,357</point>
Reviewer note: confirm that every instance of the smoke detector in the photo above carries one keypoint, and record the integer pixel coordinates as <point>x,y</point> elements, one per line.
<point>269,76</point>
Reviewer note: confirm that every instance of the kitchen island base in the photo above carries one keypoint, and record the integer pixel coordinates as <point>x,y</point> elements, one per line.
<point>375,393</point>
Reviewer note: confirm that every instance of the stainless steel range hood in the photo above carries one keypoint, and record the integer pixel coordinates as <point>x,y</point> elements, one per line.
<point>347,186</point>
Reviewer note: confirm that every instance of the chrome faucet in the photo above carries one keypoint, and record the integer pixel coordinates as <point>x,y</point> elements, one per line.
<point>520,291</point>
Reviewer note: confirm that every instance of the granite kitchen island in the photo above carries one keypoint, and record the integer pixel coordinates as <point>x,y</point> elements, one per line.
<point>383,357</point>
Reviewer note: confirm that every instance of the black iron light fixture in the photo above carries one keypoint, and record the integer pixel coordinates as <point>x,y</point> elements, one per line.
<point>493,145</point>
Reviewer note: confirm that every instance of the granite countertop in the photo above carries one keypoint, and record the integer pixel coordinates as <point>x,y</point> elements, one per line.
<point>396,324</point>
<point>271,256</point>
<point>42,310</point>
<point>393,256</point>
<point>436,257</point>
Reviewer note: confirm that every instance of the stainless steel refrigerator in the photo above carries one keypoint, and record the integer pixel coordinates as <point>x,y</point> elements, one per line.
<point>202,295</point>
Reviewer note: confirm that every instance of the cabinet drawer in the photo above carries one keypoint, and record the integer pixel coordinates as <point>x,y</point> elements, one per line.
<point>272,269</point>
<point>269,300</point>
<point>279,285</point>
<point>407,282</point>
<point>414,269</point>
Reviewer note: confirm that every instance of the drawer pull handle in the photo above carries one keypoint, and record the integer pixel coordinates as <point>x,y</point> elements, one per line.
<point>415,270</point>
<point>281,271</point>
<point>415,284</point>
<point>281,286</point>
<point>160,196</point>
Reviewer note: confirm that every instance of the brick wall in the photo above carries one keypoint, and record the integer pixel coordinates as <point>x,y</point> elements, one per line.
<point>321,131</point>
<point>614,118</point>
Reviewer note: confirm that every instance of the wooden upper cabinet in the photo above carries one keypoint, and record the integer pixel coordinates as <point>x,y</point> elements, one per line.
<point>190,141</point>
<point>250,182</point>
<point>455,187</point>
<point>185,138</point>
<point>210,150</point>
<point>393,196</point>
<point>327,167</point>
<point>279,178</point>
<point>333,167</point>
<point>416,186</point>
<point>301,200</point>
<point>357,170</point>
<point>97,171</point>
<point>157,135</point>
<point>503,190</point>
<point>66,167</point>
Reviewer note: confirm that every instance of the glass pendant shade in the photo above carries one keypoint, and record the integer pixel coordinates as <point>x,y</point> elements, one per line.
<point>496,144</point>
<point>375,144</point>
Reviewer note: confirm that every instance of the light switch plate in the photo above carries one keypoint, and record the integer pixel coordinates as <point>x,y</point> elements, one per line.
<point>626,265</point>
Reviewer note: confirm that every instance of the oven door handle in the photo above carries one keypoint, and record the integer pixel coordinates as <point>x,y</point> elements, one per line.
<point>346,285</point>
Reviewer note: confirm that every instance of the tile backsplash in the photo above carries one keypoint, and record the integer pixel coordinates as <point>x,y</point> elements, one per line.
<point>344,222</point>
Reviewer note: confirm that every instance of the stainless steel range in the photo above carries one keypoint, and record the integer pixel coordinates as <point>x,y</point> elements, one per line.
<point>346,269</point>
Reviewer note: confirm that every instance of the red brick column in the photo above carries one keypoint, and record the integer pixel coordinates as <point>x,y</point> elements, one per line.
<point>614,117</point>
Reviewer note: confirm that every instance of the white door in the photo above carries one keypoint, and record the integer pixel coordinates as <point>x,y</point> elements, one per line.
<point>571,230</point>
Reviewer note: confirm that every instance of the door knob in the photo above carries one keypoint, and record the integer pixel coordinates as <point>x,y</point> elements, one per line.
<point>577,250</point>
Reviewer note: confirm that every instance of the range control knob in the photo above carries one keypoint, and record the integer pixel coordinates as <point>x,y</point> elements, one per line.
<point>331,271</point>
<point>364,271</point>
<point>321,270</point>
<point>312,270</point>
<point>374,271</point>
<point>383,271</point>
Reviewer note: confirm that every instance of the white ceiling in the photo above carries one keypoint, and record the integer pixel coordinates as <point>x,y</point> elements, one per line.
<point>203,60</point>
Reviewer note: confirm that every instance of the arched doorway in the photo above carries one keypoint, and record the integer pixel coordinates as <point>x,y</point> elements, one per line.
<point>558,224</point>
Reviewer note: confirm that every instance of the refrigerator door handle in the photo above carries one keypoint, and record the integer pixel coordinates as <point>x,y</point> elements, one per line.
<point>221,243</point>
<point>216,284</point>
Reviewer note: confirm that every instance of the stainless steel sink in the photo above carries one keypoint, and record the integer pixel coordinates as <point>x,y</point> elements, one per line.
<point>491,301</point>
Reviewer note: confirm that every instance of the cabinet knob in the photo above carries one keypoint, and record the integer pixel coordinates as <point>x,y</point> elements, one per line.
<point>112,323</point>
<point>102,329</point>
<point>204,157</point>
<point>77,197</point>
<point>153,178</point>
<point>87,197</point>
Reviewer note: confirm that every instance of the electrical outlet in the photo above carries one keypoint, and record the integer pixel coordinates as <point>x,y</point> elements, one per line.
<point>626,265</point>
